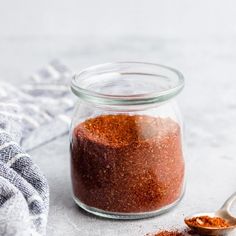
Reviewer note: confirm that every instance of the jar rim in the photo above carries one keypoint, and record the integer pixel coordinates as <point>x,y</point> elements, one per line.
<point>133,99</point>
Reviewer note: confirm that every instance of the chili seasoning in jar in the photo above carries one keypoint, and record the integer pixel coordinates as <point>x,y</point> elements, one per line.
<point>126,140</point>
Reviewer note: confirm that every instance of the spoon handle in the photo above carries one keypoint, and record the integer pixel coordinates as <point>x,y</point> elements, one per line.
<point>228,203</point>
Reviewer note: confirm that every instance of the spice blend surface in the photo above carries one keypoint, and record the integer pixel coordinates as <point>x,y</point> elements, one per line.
<point>206,221</point>
<point>127,164</point>
<point>168,233</point>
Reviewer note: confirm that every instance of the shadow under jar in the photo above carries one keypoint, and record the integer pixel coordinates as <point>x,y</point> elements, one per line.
<point>126,140</point>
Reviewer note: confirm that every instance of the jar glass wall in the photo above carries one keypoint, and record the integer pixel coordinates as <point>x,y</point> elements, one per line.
<point>126,140</point>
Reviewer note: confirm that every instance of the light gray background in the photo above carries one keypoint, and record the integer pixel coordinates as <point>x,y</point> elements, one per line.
<point>195,36</point>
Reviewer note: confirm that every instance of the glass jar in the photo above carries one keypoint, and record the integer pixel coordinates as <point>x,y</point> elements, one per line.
<point>126,140</point>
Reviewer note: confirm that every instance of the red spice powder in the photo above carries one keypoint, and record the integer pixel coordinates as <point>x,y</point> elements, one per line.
<point>123,163</point>
<point>206,221</point>
<point>169,233</point>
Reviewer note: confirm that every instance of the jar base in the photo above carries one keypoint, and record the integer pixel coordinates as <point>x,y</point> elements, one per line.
<point>126,216</point>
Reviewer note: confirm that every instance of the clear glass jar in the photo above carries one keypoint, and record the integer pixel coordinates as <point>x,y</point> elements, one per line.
<point>126,140</point>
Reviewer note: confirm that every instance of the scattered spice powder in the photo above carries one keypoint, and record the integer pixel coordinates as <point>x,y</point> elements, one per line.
<point>124,163</point>
<point>206,221</point>
<point>168,233</point>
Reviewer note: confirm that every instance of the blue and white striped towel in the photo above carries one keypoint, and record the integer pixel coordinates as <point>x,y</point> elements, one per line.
<point>26,113</point>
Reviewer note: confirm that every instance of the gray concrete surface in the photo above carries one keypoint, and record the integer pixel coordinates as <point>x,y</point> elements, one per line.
<point>196,37</point>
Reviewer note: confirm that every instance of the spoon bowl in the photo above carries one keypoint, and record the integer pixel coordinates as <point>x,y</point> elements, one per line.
<point>203,230</point>
<point>223,212</point>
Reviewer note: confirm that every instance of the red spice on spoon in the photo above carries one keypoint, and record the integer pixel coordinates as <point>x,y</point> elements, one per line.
<point>206,221</point>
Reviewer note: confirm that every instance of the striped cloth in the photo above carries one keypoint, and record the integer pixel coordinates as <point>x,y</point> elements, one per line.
<point>44,101</point>
<point>24,192</point>
<point>30,116</point>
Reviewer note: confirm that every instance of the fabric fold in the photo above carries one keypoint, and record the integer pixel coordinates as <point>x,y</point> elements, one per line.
<point>24,192</point>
